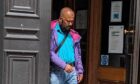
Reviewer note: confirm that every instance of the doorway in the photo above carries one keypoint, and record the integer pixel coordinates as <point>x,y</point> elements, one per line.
<point>81,23</point>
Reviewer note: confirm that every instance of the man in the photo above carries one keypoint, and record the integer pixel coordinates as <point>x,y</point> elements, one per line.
<point>66,65</point>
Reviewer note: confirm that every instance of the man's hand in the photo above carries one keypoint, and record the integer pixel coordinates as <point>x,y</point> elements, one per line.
<point>80,78</point>
<point>68,68</point>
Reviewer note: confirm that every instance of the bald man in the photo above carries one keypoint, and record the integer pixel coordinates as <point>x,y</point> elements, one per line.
<point>65,52</point>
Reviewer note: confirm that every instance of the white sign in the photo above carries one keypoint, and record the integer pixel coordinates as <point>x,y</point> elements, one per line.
<point>116,36</point>
<point>116,11</point>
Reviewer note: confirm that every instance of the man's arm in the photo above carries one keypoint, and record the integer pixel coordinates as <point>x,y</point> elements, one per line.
<point>53,56</point>
<point>79,64</point>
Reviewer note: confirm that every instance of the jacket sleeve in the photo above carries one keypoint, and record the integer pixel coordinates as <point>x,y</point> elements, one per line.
<point>53,56</point>
<point>78,63</point>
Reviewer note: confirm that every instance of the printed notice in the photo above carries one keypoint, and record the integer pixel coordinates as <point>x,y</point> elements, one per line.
<point>116,39</point>
<point>116,11</point>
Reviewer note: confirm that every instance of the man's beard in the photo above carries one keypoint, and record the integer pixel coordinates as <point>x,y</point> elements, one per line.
<point>65,29</point>
<point>68,28</point>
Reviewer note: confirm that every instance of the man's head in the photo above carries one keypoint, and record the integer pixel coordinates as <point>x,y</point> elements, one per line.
<point>66,18</point>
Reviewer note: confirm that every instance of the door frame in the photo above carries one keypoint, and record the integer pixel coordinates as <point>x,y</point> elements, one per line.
<point>135,62</point>
<point>1,40</point>
<point>93,52</point>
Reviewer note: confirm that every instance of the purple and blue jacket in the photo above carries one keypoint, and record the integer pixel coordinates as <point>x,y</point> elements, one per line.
<point>53,44</point>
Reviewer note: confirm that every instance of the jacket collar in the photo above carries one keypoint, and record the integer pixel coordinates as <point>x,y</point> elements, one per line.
<point>76,37</point>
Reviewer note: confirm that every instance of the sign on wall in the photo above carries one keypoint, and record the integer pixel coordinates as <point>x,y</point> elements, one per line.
<point>116,36</point>
<point>116,11</point>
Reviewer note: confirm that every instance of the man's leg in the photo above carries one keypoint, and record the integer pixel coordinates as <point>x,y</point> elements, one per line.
<point>71,77</point>
<point>57,76</point>
<point>54,79</point>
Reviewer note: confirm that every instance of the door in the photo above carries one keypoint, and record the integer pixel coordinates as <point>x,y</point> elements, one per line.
<point>104,66</point>
<point>25,41</point>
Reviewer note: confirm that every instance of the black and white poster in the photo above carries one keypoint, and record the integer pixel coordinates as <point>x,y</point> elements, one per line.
<point>116,38</point>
